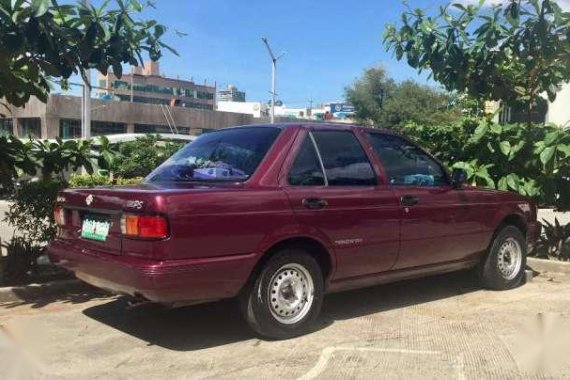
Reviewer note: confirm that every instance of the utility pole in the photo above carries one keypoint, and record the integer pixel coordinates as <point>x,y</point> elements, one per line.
<point>86,101</point>
<point>86,117</point>
<point>273,74</point>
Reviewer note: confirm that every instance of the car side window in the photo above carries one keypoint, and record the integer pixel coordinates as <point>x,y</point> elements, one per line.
<point>306,169</point>
<point>344,159</point>
<point>405,163</point>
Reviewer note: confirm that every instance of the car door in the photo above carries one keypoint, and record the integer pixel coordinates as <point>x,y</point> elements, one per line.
<point>334,191</point>
<point>439,222</point>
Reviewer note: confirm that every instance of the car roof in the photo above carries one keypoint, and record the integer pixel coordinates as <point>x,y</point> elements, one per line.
<point>328,126</point>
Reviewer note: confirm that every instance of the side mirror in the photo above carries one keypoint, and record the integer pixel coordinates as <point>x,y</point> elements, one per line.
<point>458,178</point>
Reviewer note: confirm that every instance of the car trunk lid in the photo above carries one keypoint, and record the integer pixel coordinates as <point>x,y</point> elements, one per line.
<point>88,211</point>
<point>93,215</point>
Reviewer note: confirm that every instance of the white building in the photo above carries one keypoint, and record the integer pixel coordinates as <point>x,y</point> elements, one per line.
<point>556,112</point>
<point>559,110</point>
<point>292,113</point>
<point>256,109</point>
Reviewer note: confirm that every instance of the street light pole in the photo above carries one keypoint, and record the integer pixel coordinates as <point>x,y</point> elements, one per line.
<point>273,76</point>
<point>273,69</point>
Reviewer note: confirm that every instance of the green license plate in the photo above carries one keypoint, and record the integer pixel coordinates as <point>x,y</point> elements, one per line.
<point>95,227</point>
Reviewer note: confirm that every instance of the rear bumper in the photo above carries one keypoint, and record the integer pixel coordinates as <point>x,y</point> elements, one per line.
<point>169,281</point>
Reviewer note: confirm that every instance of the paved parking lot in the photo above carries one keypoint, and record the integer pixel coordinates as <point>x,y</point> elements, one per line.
<point>440,327</point>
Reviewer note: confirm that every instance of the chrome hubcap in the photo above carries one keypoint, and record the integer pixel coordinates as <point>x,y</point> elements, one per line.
<point>291,293</point>
<point>510,258</point>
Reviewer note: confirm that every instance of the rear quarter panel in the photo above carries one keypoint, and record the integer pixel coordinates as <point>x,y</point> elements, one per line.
<point>491,207</point>
<point>225,223</point>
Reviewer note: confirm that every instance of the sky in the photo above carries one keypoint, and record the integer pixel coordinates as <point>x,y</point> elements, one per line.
<point>327,43</point>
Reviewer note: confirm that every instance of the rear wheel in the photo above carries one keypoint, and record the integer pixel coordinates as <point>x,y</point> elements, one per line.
<point>504,266</point>
<point>286,297</point>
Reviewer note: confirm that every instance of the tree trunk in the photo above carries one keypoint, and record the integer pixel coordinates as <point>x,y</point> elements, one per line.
<point>529,112</point>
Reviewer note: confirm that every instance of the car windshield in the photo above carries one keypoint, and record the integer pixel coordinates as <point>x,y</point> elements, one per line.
<point>231,155</point>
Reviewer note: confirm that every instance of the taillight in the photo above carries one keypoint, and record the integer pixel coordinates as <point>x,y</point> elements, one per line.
<point>59,215</point>
<point>144,226</point>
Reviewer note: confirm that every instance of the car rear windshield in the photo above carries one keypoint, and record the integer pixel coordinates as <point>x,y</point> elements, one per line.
<point>225,155</point>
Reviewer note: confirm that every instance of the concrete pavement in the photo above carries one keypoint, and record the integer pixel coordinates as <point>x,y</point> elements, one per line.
<point>439,327</point>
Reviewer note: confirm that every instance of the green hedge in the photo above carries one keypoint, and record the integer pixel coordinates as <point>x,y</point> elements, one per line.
<point>533,160</point>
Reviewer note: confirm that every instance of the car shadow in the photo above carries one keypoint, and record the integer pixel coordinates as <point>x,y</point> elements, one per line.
<point>220,323</point>
<point>77,294</point>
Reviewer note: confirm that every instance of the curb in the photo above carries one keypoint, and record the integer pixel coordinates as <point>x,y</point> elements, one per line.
<point>32,292</point>
<point>548,266</point>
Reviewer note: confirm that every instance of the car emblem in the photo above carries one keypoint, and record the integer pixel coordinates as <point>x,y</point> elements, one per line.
<point>135,204</point>
<point>89,199</point>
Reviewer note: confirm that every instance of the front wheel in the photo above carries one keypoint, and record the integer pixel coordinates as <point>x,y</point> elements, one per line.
<point>504,266</point>
<point>286,297</point>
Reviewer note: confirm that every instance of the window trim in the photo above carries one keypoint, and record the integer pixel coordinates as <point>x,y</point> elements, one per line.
<point>293,159</point>
<point>319,157</point>
<point>443,168</point>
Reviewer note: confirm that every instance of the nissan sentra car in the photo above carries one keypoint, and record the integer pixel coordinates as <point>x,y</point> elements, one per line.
<point>280,215</point>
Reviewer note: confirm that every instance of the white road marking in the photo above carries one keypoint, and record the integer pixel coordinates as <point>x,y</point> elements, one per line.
<point>329,351</point>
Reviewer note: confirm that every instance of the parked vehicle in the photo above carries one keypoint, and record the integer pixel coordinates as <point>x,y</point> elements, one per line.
<point>279,215</point>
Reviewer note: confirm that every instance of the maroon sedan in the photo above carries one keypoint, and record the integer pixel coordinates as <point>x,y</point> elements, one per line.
<point>279,215</point>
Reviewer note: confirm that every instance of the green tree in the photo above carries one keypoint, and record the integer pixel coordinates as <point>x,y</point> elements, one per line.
<point>512,51</point>
<point>381,101</point>
<point>414,103</point>
<point>42,40</point>
<point>369,92</point>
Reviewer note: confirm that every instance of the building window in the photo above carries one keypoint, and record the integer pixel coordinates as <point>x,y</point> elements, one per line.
<point>180,102</point>
<point>205,95</point>
<point>69,128</point>
<point>148,128</point>
<point>121,85</point>
<point>30,127</point>
<point>99,128</point>
<point>6,126</point>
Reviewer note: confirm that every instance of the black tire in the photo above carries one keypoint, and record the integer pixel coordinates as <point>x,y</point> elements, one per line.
<point>493,270</point>
<point>256,302</point>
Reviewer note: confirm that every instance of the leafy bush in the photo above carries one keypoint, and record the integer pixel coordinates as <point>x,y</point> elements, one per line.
<point>15,157</point>
<point>20,262</point>
<point>533,160</point>
<point>129,181</point>
<point>32,211</point>
<point>555,241</point>
<point>53,158</point>
<point>86,180</point>
<point>50,158</point>
<point>447,142</point>
<point>138,158</point>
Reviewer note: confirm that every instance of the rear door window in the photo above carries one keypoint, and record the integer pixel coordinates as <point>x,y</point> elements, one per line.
<point>344,159</point>
<point>406,164</point>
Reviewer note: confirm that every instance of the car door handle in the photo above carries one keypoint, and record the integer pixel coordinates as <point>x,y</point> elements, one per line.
<point>409,200</point>
<point>314,203</point>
